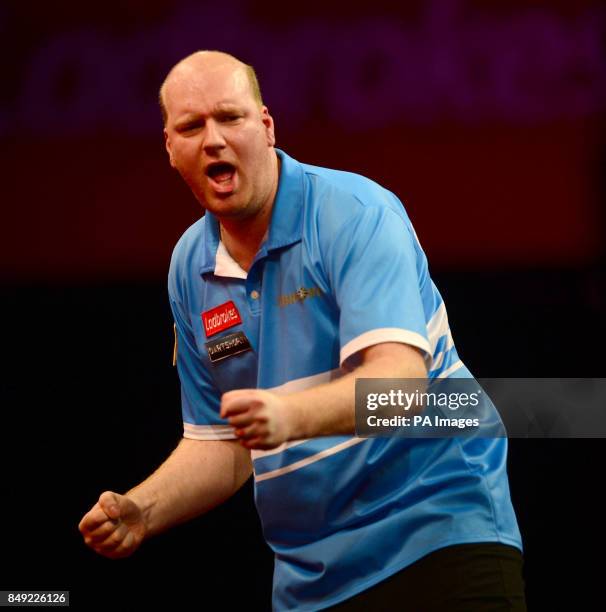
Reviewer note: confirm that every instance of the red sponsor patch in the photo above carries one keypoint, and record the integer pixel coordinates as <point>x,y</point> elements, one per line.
<point>220,318</point>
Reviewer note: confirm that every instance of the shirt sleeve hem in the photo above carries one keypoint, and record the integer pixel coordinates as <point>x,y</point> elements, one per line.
<point>384,334</point>
<point>208,432</point>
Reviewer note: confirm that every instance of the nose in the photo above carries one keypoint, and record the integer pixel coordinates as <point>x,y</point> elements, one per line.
<point>213,136</point>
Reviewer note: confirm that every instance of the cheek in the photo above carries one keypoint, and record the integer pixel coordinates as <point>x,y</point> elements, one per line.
<point>190,176</point>
<point>186,162</point>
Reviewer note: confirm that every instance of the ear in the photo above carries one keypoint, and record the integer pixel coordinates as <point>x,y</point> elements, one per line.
<point>168,148</point>
<point>268,122</point>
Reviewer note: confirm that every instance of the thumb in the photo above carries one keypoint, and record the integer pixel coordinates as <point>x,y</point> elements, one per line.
<point>110,504</point>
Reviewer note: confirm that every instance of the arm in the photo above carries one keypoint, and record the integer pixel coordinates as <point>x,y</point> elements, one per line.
<point>265,420</point>
<point>197,476</point>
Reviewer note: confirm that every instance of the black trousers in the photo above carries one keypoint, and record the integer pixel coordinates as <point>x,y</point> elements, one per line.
<point>482,577</point>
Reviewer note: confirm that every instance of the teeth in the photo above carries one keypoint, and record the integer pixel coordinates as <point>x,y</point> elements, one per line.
<point>224,176</point>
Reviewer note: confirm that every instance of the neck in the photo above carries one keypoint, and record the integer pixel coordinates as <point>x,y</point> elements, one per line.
<point>242,237</point>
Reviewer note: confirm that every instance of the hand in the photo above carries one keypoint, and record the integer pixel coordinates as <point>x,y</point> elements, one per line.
<point>114,526</point>
<point>259,417</point>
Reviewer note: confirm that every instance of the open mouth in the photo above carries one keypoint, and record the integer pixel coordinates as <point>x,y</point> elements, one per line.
<point>221,172</point>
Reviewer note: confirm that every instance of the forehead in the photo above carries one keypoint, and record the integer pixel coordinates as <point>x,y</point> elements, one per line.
<point>195,88</point>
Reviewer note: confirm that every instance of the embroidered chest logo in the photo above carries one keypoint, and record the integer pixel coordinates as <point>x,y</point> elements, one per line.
<point>299,296</point>
<point>219,318</point>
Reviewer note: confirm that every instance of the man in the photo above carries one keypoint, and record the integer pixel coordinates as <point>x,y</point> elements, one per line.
<point>298,280</point>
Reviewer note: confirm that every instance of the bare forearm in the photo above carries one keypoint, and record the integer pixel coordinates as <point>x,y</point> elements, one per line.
<point>197,476</point>
<point>329,409</point>
<point>264,420</point>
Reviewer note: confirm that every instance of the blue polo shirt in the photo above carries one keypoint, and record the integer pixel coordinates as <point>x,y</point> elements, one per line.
<point>341,269</point>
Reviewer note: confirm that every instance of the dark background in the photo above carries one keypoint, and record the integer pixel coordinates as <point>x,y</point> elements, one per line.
<point>486,118</point>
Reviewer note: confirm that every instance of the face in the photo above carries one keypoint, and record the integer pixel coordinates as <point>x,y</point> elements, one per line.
<point>219,138</point>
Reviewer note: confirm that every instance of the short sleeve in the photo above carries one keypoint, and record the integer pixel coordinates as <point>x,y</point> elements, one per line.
<point>200,399</point>
<point>371,264</point>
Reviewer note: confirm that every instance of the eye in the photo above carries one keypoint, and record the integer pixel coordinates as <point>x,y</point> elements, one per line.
<point>189,127</point>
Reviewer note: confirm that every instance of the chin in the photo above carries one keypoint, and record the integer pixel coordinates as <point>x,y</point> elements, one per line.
<point>224,208</point>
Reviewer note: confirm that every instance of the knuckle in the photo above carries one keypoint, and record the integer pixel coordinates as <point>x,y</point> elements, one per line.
<point>115,539</point>
<point>101,534</point>
<point>108,544</point>
<point>105,496</point>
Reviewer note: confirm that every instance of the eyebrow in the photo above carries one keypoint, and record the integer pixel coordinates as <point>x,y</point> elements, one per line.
<point>227,107</point>
<point>220,109</point>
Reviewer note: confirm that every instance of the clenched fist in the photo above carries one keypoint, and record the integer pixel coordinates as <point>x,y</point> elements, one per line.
<point>114,526</point>
<point>259,417</point>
